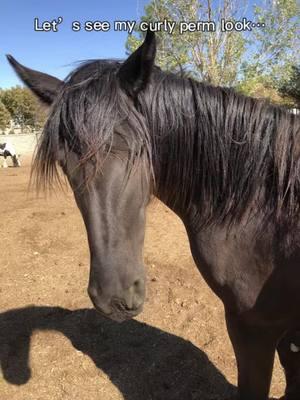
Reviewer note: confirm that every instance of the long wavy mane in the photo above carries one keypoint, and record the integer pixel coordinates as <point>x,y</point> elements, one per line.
<point>206,145</point>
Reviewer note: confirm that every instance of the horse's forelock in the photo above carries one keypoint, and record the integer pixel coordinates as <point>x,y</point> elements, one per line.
<point>84,117</point>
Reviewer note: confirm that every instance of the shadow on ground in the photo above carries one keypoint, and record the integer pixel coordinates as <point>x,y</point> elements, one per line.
<point>142,361</point>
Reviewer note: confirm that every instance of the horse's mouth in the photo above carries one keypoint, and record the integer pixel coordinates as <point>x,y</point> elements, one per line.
<point>118,316</point>
<point>119,312</point>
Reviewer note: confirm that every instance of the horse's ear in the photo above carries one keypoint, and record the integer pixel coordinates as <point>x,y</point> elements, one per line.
<point>135,73</point>
<point>46,87</point>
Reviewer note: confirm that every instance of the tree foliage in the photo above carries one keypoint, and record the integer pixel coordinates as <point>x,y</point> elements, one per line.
<point>4,117</point>
<point>210,56</point>
<point>291,86</point>
<point>23,107</point>
<point>227,58</point>
<point>276,47</point>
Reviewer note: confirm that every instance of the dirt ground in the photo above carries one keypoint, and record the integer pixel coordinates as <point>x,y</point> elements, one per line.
<point>53,345</point>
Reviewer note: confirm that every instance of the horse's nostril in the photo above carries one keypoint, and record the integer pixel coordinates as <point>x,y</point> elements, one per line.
<point>134,296</point>
<point>139,286</point>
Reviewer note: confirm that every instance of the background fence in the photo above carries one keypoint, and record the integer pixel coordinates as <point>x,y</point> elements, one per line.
<point>23,143</point>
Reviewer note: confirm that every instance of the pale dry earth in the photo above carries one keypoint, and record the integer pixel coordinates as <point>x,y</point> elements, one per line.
<point>53,345</point>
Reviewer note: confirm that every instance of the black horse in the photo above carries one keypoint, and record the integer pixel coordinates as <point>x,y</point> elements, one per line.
<point>228,165</point>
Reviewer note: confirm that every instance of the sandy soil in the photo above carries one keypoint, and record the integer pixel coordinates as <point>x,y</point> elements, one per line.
<point>53,345</point>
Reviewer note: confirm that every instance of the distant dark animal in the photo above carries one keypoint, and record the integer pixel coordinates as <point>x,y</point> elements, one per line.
<point>8,150</point>
<point>228,165</point>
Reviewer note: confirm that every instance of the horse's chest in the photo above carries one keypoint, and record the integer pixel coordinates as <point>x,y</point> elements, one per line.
<point>236,269</point>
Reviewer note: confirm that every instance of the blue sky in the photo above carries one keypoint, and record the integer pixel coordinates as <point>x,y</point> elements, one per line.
<point>56,52</point>
<point>53,52</point>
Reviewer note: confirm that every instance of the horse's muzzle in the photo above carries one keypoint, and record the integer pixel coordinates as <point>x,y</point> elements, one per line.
<point>122,307</point>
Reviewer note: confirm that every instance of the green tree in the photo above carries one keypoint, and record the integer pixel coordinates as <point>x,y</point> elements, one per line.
<point>4,116</point>
<point>172,55</point>
<point>23,106</point>
<point>291,86</point>
<point>210,56</point>
<point>227,58</point>
<point>275,47</point>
